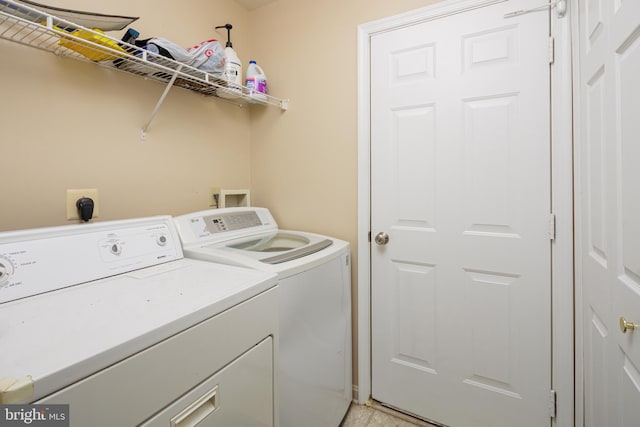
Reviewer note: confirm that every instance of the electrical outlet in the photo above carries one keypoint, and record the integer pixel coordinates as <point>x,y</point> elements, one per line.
<point>74,195</point>
<point>214,197</point>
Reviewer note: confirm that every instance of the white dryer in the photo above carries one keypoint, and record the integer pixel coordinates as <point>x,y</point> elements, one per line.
<point>111,319</point>
<point>314,276</point>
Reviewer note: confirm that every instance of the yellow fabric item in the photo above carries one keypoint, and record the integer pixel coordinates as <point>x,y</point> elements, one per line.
<point>96,47</point>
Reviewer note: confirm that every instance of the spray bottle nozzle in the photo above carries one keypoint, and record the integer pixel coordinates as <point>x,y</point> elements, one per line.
<point>228,27</point>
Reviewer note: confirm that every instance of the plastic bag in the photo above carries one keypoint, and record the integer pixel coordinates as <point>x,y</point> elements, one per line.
<point>207,56</point>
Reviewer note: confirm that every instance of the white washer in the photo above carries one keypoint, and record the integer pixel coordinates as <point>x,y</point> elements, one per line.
<point>111,319</point>
<point>314,276</point>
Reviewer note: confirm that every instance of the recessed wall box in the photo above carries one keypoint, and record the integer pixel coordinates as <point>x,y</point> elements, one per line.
<point>234,198</point>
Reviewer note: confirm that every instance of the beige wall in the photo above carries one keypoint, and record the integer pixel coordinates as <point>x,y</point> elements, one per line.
<point>304,161</point>
<point>66,124</point>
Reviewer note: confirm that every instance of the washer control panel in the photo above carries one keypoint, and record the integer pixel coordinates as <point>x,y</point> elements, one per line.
<point>42,260</point>
<point>217,225</point>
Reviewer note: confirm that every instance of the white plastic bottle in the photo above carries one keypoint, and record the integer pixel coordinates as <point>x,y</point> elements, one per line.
<point>232,69</point>
<point>256,82</point>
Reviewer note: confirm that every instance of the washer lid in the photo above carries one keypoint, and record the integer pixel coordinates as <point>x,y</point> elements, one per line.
<point>279,247</point>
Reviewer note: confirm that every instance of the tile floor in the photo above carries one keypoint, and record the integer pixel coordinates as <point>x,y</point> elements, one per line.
<point>379,416</point>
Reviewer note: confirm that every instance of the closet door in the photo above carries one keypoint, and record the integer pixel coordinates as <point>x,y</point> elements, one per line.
<point>609,208</point>
<point>461,276</point>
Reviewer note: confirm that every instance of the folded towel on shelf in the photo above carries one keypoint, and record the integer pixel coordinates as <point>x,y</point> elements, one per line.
<point>100,21</point>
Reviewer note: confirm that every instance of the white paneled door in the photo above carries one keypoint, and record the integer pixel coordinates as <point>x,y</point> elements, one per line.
<point>460,193</point>
<point>609,189</point>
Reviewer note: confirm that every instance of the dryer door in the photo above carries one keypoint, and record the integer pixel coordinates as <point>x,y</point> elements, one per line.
<point>241,394</point>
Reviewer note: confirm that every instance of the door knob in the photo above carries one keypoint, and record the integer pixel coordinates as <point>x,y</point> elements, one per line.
<point>381,238</point>
<point>625,326</point>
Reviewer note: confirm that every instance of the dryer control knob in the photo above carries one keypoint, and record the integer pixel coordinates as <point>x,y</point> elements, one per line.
<point>116,248</point>
<point>6,269</point>
<point>161,240</point>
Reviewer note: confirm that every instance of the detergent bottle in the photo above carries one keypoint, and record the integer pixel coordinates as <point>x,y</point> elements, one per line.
<point>256,82</point>
<point>232,69</point>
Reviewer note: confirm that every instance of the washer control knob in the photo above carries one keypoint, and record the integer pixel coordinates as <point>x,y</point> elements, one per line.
<point>161,240</point>
<point>116,248</point>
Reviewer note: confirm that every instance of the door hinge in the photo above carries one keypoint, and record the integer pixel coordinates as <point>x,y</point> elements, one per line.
<point>552,226</point>
<point>552,403</point>
<point>552,50</point>
<point>369,237</point>
<point>559,5</point>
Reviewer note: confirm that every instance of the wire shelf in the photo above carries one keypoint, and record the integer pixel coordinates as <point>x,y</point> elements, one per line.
<point>28,26</point>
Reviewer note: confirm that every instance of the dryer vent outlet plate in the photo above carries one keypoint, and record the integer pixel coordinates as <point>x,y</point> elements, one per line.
<point>235,198</point>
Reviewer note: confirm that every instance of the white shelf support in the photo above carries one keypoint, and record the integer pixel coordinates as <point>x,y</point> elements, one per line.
<point>159,103</point>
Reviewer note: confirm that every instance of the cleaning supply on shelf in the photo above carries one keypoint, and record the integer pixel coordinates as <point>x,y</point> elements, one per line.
<point>232,69</point>
<point>256,82</point>
<point>130,36</point>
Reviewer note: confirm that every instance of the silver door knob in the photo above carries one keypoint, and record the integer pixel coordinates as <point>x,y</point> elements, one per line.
<point>626,326</point>
<point>381,238</point>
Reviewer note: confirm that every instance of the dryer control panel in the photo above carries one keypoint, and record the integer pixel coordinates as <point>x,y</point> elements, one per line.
<point>42,260</point>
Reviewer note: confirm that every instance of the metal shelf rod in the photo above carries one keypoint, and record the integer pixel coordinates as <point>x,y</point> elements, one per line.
<point>159,103</point>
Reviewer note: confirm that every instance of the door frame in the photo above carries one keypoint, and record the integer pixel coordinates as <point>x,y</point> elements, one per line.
<point>562,262</point>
